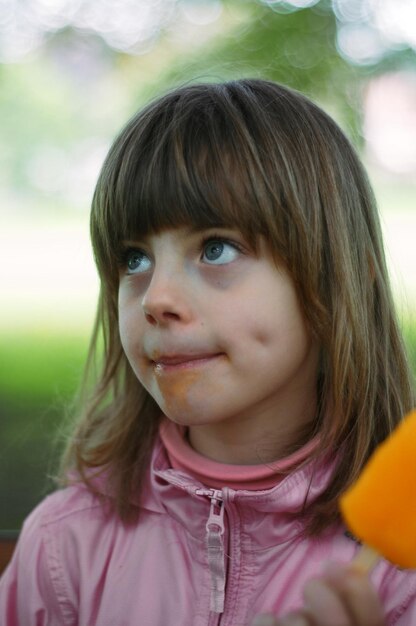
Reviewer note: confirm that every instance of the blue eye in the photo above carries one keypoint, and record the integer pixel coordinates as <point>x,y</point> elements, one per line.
<point>219,252</point>
<point>137,262</point>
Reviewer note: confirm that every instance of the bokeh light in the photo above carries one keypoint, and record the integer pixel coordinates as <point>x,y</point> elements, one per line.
<point>360,43</point>
<point>202,12</point>
<point>366,27</point>
<point>390,129</point>
<point>125,25</point>
<point>396,19</point>
<point>285,6</point>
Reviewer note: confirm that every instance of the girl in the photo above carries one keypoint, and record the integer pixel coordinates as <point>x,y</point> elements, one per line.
<point>252,362</point>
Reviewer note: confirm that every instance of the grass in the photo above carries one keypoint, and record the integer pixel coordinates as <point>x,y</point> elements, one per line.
<point>39,374</point>
<point>38,368</point>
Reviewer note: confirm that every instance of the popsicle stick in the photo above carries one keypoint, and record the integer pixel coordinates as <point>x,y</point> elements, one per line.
<point>365,559</point>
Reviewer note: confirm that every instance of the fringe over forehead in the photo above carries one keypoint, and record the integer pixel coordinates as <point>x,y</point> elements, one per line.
<point>249,154</point>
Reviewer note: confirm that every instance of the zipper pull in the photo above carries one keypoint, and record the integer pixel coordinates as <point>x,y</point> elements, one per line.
<point>215,521</point>
<point>215,548</point>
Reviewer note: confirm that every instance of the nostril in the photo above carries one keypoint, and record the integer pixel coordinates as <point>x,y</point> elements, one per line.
<point>165,316</point>
<point>169,315</point>
<point>150,319</point>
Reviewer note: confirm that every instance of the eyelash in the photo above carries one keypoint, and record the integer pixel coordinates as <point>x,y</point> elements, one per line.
<point>124,253</point>
<point>214,237</point>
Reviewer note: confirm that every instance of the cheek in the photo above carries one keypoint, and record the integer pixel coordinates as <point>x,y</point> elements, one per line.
<point>262,334</point>
<point>130,342</point>
<point>130,330</point>
<point>272,327</point>
<point>243,319</point>
<point>123,324</point>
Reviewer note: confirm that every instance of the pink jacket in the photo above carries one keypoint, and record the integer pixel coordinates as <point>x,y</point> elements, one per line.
<point>197,557</point>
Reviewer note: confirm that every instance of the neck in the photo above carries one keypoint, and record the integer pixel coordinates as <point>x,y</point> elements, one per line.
<point>252,441</point>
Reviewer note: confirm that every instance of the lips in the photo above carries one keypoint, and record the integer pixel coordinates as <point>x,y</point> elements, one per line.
<point>178,360</point>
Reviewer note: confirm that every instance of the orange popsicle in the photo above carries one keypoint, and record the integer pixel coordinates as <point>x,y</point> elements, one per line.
<point>380,507</point>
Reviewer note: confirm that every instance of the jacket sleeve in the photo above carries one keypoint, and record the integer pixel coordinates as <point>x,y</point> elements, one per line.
<point>28,596</point>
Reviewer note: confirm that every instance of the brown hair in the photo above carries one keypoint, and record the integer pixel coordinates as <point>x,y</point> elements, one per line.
<point>257,155</point>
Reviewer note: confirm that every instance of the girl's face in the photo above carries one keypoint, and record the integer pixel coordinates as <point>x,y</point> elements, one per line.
<point>216,335</point>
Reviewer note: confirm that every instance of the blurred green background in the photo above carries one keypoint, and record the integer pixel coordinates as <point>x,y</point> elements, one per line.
<point>71,73</point>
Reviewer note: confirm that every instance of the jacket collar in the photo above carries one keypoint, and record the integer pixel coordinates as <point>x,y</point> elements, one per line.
<point>274,514</point>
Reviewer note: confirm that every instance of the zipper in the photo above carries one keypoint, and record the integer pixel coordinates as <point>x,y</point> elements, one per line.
<point>214,542</point>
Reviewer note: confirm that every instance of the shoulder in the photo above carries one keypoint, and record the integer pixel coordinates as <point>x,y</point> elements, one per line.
<point>58,518</point>
<point>41,574</point>
<point>73,502</point>
<point>61,528</point>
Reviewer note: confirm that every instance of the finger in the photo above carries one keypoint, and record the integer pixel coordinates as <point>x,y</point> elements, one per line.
<point>363,601</point>
<point>324,605</point>
<point>358,595</point>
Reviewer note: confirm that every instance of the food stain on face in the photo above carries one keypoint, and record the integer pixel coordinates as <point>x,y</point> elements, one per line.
<point>175,389</point>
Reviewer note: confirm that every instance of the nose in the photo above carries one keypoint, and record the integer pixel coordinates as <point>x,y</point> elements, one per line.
<point>167,299</point>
